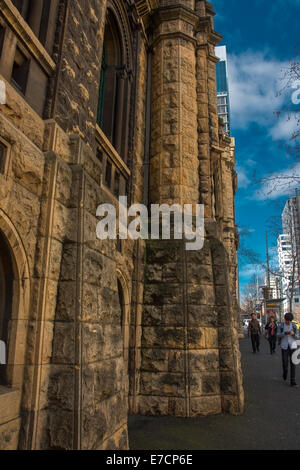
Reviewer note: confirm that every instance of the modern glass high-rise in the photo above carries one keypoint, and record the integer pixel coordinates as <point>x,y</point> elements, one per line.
<point>223,87</point>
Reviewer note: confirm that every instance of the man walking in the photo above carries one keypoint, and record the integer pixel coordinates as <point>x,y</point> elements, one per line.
<point>254,331</point>
<point>288,334</point>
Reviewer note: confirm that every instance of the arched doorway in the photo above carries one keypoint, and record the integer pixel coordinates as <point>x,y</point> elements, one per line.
<point>6,294</point>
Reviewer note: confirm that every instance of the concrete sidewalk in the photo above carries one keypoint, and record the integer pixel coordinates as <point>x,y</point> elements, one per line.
<point>271,419</point>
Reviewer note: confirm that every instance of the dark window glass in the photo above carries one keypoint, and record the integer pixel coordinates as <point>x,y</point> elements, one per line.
<point>2,157</point>
<point>20,71</point>
<point>2,34</point>
<point>117,184</point>
<point>102,88</point>
<point>121,302</point>
<point>36,14</point>
<point>127,187</point>
<point>108,174</point>
<point>99,155</point>
<point>119,244</point>
<point>44,21</point>
<point>22,6</point>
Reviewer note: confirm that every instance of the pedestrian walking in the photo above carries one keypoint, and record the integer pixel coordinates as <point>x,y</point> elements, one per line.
<point>271,334</point>
<point>254,331</point>
<point>287,332</point>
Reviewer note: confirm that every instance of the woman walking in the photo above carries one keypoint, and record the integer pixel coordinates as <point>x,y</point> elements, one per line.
<point>271,334</point>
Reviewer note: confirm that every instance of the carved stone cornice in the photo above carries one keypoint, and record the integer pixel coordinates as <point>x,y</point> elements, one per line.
<point>205,25</point>
<point>175,12</point>
<point>173,35</point>
<point>172,13</point>
<point>17,23</point>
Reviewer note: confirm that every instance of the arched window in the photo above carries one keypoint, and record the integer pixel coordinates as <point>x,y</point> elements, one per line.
<point>6,292</point>
<point>114,91</point>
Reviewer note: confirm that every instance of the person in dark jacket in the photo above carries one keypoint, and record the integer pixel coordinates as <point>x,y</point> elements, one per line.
<point>288,334</point>
<point>271,332</point>
<point>254,331</point>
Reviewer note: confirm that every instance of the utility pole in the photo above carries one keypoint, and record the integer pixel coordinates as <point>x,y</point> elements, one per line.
<point>268,261</point>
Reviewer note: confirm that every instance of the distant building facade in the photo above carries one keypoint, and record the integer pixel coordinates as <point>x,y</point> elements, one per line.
<point>289,254</point>
<point>223,88</point>
<point>275,286</point>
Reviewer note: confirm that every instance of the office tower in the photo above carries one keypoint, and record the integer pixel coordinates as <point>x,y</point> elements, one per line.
<point>223,87</point>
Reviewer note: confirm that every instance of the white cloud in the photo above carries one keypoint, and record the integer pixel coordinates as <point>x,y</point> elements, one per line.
<point>243,180</point>
<point>284,128</point>
<point>254,83</point>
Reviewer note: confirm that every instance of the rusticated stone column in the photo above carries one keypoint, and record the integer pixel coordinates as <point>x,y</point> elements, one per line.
<point>190,363</point>
<point>206,61</point>
<point>174,153</point>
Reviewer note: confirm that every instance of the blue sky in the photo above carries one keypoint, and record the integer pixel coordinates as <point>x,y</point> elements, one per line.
<point>261,36</point>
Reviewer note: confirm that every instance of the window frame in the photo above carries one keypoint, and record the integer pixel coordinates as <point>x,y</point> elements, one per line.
<point>5,164</point>
<point>27,61</point>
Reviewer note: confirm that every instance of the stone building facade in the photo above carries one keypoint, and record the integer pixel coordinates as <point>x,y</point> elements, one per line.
<point>109,98</point>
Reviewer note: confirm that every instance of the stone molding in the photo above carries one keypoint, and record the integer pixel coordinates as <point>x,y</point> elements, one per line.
<point>176,12</point>
<point>112,153</point>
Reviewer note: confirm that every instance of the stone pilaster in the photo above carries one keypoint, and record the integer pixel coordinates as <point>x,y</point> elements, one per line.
<point>190,363</point>
<point>207,39</point>
<point>174,153</point>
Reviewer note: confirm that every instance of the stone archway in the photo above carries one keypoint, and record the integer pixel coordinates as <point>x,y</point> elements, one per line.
<point>15,283</point>
<point>6,296</point>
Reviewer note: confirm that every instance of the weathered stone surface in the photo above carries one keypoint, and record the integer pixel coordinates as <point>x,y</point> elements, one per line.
<point>205,406</point>
<point>64,343</point>
<point>9,435</point>
<point>171,346</point>
<point>162,384</point>
<point>204,360</point>
<point>167,337</point>
<point>151,405</point>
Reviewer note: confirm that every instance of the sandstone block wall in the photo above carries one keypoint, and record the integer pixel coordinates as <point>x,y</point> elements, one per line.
<point>79,360</point>
<point>189,351</point>
<point>72,383</point>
